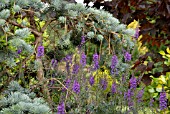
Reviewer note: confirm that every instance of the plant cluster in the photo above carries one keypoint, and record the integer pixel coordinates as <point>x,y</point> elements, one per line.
<point>97,78</point>
<point>18,100</point>
<point>97,89</point>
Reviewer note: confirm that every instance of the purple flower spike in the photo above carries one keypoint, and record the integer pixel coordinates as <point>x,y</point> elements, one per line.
<point>127,57</point>
<point>61,108</point>
<point>133,82</point>
<point>54,63</point>
<point>40,51</point>
<point>114,62</point>
<point>104,83</point>
<point>140,95</point>
<point>83,39</point>
<point>76,87</point>
<point>128,95</point>
<point>162,100</point>
<point>96,61</point>
<point>75,69</point>
<point>91,80</point>
<point>83,59</point>
<point>151,102</point>
<point>113,88</point>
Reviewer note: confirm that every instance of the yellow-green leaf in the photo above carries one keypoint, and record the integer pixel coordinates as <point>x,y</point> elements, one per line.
<point>168,50</point>
<point>168,55</point>
<point>151,90</point>
<point>162,52</point>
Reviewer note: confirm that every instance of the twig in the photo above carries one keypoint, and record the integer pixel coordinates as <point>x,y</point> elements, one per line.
<point>64,86</point>
<point>46,25</point>
<point>21,26</point>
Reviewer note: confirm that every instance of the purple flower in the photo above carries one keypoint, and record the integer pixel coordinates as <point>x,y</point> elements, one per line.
<point>127,56</point>
<point>40,51</point>
<point>67,84</point>
<point>140,95</point>
<point>61,108</point>
<point>128,95</point>
<point>113,63</point>
<point>133,82</point>
<point>96,61</point>
<point>162,100</point>
<point>75,69</point>
<point>76,87</point>
<point>103,83</point>
<point>83,39</point>
<point>91,80</point>
<point>54,63</point>
<point>83,59</point>
<point>113,88</point>
<point>68,58</point>
<point>136,33</point>
<point>151,102</point>
<point>19,51</point>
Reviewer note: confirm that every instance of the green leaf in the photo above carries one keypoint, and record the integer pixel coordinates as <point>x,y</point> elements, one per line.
<point>151,90</point>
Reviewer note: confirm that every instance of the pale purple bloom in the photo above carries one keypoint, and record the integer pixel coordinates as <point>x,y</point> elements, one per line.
<point>103,83</point>
<point>75,69</point>
<point>40,51</point>
<point>83,39</point>
<point>76,87</point>
<point>133,82</point>
<point>54,63</point>
<point>113,89</point>
<point>91,80</point>
<point>96,61</point>
<point>136,33</point>
<point>67,84</point>
<point>83,59</point>
<point>151,102</point>
<point>68,58</point>
<point>128,95</point>
<point>114,62</point>
<point>162,100</point>
<point>61,108</point>
<point>127,57</point>
<point>140,95</point>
